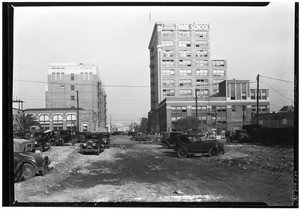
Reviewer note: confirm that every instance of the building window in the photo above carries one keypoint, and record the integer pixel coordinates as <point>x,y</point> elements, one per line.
<point>72,76</point>
<point>201,53</point>
<point>168,72</point>
<point>185,92</point>
<point>202,63</point>
<point>168,82</point>
<point>185,82</point>
<point>202,92</point>
<point>184,43</point>
<point>262,108</point>
<point>232,91</point>
<point>168,92</point>
<point>178,112</point>
<point>167,33</point>
<point>72,98</point>
<point>44,122</point>
<point>185,72</point>
<point>201,44</point>
<point>264,94</point>
<point>168,53</point>
<point>233,108</point>
<point>185,53</point>
<point>71,122</point>
<point>84,127</point>
<point>201,72</point>
<point>168,63</point>
<point>57,122</point>
<point>253,94</point>
<point>72,87</point>
<point>167,43</point>
<point>62,87</point>
<point>201,34</point>
<point>217,81</point>
<point>184,33</point>
<point>218,73</point>
<point>185,63</point>
<point>218,63</point>
<point>244,93</point>
<point>201,82</point>
<point>221,108</point>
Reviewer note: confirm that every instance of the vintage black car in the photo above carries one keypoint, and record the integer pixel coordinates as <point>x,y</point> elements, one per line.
<point>28,162</point>
<point>168,139</point>
<point>62,137</point>
<point>188,144</point>
<point>140,137</point>
<point>94,143</point>
<point>241,136</point>
<point>42,140</point>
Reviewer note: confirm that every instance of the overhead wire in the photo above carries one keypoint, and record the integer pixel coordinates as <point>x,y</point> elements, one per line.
<point>277,91</point>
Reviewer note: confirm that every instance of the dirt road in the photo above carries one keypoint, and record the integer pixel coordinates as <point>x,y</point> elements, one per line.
<point>143,171</point>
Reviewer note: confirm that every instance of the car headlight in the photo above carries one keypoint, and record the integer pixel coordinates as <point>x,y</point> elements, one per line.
<point>94,144</point>
<point>84,144</point>
<point>35,142</point>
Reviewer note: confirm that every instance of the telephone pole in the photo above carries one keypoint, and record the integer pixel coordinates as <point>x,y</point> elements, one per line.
<point>196,98</point>
<point>257,100</point>
<point>77,110</point>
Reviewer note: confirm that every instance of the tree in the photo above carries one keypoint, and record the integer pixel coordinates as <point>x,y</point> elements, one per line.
<point>188,124</point>
<point>24,122</point>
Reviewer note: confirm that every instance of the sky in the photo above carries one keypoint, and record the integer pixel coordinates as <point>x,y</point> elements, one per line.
<point>253,40</point>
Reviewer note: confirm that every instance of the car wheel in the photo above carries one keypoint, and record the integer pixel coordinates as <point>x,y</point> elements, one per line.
<point>165,145</point>
<point>181,152</point>
<point>28,171</point>
<point>212,152</point>
<point>221,150</point>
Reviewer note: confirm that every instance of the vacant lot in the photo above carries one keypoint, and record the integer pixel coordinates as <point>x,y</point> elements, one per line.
<point>144,172</point>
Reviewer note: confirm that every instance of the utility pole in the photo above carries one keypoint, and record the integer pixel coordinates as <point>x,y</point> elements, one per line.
<point>257,99</point>
<point>196,98</point>
<point>77,110</point>
<point>244,115</point>
<point>110,122</point>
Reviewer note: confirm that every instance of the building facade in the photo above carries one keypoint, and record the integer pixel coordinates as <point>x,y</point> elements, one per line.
<point>66,81</point>
<point>181,68</point>
<point>64,118</point>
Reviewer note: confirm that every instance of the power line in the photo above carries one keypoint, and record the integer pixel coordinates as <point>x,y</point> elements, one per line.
<point>277,79</point>
<point>277,91</point>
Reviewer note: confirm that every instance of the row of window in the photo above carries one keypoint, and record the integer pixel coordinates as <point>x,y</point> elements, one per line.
<point>62,87</point>
<point>184,33</point>
<point>186,43</point>
<point>263,94</point>
<point>186,92</point>
<point>61,76</point>
<point>185,63</point>
<point>57,121</point>
<point>188,72</point>
<point>188,82</point>
<point>186,53</point>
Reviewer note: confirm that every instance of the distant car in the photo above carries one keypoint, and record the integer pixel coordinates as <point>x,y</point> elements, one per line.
<point>42,140</point>
<point>168,139</point>
<point>141,137</point>
<point>94,144</point>
<point>62,137</point>
<point>28,163</point>
<point>239,136</point>
<point>188,144</point>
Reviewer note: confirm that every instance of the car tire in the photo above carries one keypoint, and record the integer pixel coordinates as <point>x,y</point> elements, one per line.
<point>212,152</point>
<point>221,151</point>
<point>28,171</point>
<point>182,153</point>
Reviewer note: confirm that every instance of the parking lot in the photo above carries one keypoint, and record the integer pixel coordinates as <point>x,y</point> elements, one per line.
<point>146,172</point>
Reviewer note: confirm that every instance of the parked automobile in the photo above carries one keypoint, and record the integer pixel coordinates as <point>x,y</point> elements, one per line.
<point>42,140</point>
<point>141,137</point>
<point>94,143</point>
<point>168,139</point>
<point>238,136</point>
<point>65,136</point>
<point>188,144</point>
<point>28,161</point>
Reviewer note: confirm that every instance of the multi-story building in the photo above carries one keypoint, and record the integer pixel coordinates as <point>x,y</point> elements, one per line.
<point>181,66</point>
<point>67,81</point>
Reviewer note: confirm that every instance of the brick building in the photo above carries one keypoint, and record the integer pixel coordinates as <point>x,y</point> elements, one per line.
<point>181,66</point>
<point>65,80</point>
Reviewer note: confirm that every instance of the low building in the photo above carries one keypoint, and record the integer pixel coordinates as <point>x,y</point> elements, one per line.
<point>231,108</point>
<point>65,118</point>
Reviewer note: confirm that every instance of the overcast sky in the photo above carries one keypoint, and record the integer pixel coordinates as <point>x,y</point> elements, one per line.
<point>254,40</point>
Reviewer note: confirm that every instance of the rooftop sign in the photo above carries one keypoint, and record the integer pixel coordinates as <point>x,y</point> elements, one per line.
<point>185,26</point>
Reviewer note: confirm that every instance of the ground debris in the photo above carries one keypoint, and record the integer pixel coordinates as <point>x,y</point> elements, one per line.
<point>179,192</point>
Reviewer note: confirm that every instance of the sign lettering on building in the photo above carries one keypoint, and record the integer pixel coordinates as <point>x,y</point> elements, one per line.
<point>185,26</point>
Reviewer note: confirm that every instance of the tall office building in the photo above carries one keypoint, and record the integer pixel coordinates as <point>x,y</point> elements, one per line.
<point>181,66</point>
<point>65,80</point>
